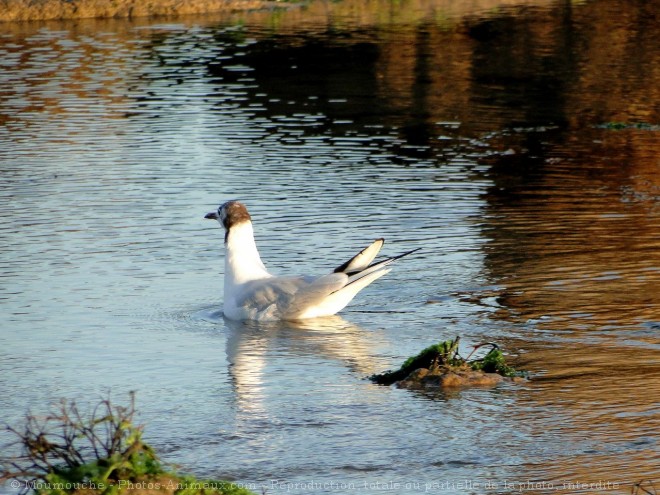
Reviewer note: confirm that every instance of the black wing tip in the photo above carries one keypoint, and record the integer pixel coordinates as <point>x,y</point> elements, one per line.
<point>405,254</point>
<point>343,266</point>
<point>385,262</point>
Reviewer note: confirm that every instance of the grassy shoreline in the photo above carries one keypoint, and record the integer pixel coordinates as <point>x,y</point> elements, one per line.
<point>43,10</point>
<point>99,452</point>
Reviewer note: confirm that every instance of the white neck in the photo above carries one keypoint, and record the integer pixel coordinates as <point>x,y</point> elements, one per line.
<point>242,260</point>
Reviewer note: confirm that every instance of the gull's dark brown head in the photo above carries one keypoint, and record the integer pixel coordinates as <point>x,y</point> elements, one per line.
<point>230,214</point>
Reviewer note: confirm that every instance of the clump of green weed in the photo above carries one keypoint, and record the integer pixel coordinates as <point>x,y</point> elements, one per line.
<point>68,452</point>
<point>68,447</point>
<point>441,354</point>
<point>445,355</point>
<point>617,126</point>
<point>494,362</point>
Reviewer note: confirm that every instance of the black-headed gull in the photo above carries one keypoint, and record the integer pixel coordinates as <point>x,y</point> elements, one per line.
<point>251,293</point>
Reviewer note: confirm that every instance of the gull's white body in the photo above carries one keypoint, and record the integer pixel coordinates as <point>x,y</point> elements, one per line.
<point>251,293</point>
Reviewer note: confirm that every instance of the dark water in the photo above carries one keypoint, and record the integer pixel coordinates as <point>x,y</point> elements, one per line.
<point>484,135</point>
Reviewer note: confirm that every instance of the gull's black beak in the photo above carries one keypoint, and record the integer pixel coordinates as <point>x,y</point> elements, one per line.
<point>212,216</point>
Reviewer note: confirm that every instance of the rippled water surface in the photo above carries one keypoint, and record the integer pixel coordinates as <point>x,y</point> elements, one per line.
<point>517,145</point>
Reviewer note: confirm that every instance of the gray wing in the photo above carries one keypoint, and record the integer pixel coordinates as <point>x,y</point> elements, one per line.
<point>284,297</point>
<point>314,293</point>
<point>346,281</point>
<point>259,295</point>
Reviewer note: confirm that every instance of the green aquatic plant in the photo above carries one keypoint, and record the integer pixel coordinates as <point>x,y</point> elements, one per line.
<point>444,356</point>
<point>441,354</point>
<point>494,362</point>
<point>617,126</point>
<point>68,452</point>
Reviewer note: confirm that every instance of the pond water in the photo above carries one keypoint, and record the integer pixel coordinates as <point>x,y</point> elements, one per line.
<point>516,143</point>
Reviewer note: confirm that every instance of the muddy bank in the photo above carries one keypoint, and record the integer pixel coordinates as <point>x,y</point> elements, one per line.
<point>367,10</point>
<point>32,10</point>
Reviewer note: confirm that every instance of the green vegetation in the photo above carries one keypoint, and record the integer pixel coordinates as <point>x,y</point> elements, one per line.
<point>444,353</point>
<point>444,357</point>
<point>67,452</point>
<point>494,362</point>
<point>617,126</point>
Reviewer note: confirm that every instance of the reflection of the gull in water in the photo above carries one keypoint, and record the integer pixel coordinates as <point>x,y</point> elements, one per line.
<point>249,345</point>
